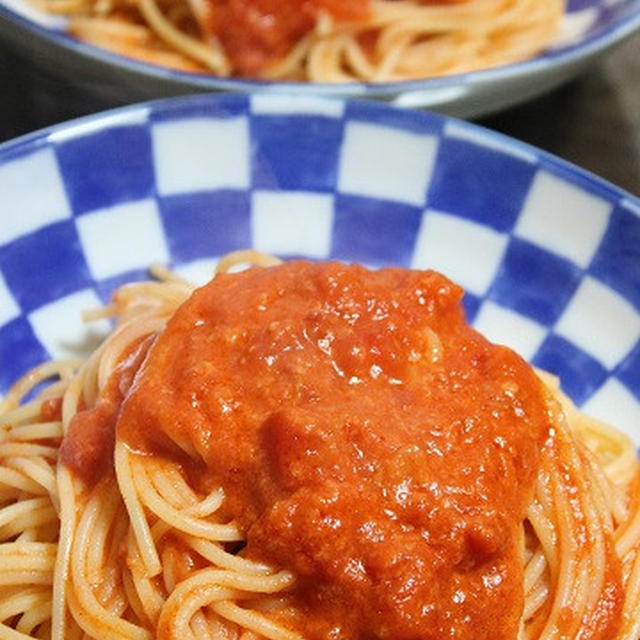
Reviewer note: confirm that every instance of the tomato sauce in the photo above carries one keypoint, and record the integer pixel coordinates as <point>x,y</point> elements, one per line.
<point>366,438</point>
<point>51,409</point>
<point>88,447</point>
<point>258,33</point>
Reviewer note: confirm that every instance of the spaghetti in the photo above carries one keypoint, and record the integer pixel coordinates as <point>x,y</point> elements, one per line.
<point>155,544</point>
<point>317,40</point>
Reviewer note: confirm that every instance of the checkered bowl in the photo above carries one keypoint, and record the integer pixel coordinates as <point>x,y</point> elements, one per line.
<point>549,255</point>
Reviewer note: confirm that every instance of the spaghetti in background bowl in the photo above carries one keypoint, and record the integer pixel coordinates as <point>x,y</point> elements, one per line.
<point>588,28</point>
<point>549,255</point>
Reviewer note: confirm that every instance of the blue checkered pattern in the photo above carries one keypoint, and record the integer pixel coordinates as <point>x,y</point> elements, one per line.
<point>550,256</point>
<point>603,10</point>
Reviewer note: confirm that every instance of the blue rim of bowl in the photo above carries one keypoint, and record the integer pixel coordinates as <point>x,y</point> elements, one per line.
<point>201,102</point>
<point>593,44</point>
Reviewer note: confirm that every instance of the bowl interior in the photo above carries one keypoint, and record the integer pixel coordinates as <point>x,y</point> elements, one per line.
<point>587,18</point>
<point>549,255</point>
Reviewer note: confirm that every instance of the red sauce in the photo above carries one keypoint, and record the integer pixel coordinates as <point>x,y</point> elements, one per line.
<point>51,409</point>
<point>257,33</point>
<point>88,446</point>
<point>366,438</point>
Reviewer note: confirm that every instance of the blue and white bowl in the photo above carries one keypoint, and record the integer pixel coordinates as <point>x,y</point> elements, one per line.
<point>549,255</point>
<point>590,28</point>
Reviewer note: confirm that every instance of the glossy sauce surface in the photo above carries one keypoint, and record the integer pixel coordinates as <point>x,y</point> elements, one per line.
<point>88,447</point>
<point>366,438</point>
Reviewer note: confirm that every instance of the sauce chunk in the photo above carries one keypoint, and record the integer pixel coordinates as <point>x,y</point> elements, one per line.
<point>366,438</point>
<point>258,33</point>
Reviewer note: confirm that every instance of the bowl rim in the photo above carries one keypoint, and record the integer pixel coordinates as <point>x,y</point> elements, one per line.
<point>565,55</point>
<point>369,110</point>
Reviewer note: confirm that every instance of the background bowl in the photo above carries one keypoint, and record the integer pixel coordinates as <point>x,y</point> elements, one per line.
<point>549,255</point>
<point>590,28</point>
